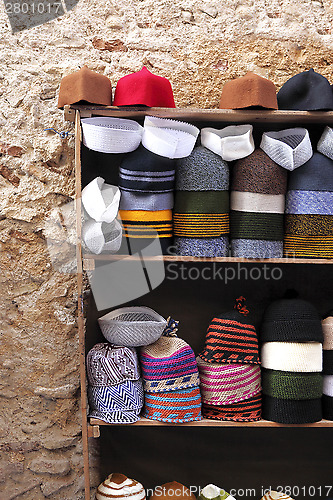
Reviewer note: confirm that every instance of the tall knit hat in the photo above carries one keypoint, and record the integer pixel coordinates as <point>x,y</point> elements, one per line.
<point>111,365</point>
<point>306,91</point>
<point>169,363</point>
<point>144,89</point>
<point>309,209</point>
<point>201,212</point>
<point>119,487</point>
<point>231,338</point>
<point>172,491</point>
<point>85,86</point>
<point>275,495</point>
<point>291,320</point>
<point>212,492</point>
<point>257,206</point>
<point>248,91</point>
<point>327,324</point>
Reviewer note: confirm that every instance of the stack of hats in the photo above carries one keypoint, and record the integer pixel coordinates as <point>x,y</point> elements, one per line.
<point>119,487</point>
<point>306,91</point>
<point>229,368</point>
<point>257,207</point>
<point>212,492</point>
<point>291,357</point>
<point>276,495</point>
<point>249,91</point>
<point>115,391</point>
<point>101,232</point>
<point>172,491</point>
<point>309,209</point>
<point>201,213</point>
<point>171,379</point>
<point>327,400</point>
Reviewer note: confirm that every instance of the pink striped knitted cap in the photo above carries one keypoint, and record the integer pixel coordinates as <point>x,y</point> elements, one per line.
<point>223,384</point>
<point>168,364</point>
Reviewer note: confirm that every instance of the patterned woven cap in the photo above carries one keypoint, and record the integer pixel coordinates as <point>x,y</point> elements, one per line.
<point>231,338</point>
<point>228,383</point>
<point>121,403</point>
<point>275,495</point>
<point>132,326</point>
<point>117,486</point>
<point>248,410</point>
<point>173,406</point>
<point>212,492</point>
<point>172,491</point>
<point>291,320</point>
<point>111,365</point>
<point>169,364</point>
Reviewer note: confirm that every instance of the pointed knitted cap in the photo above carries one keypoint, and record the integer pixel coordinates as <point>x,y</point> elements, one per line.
<point>231,338</point>
<point>118,486</point>
<point>144,89</point>
<point>86,86</point>
<point>168,364</point>
<point>172,491</point>
<point>306,91</point>
<point>247,91</point>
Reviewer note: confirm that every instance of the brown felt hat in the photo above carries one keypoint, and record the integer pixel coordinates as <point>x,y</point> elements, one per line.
<point>172,491</point>
<point>247,91</point>
<point>85,85</point>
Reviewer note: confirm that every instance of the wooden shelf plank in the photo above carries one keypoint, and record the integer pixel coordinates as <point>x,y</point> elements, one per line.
<point>202,115</point>
<point>216,423</point>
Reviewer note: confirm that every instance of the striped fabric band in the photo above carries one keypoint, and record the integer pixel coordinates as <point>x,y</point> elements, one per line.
<point>225,384</point>
<point>202,202</point>
<point>256,249</point>
<point>309,202</point>
<point>256,226</point>
<point>148,182</point>
<point>202,247</point>
<point>201,226</point>
<point>290,385</point>
<point>130,200</point>
<point>327,325</point>
<point>256,202</point>
<point>309,225</point>
<point>146,224</point>
<point>292,356</point>
<point>125,396</point>
<point>174,406</point>
<point>308,246</point>
<point>328,385</point>
<point>274,495</point>
<point>291,411</point>
<point>168,373</point>
<point>244,411</point>
<point>229,341</point>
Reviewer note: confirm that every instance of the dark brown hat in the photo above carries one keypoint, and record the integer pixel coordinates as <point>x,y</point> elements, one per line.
<point>87,86</point>
<point>249,90</point>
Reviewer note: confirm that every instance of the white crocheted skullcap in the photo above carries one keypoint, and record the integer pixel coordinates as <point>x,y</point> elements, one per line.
<point>289,148</point>
<point>102,237</point>
<point>100,200</point>
<point>231,143</point>
<point>111,135</point>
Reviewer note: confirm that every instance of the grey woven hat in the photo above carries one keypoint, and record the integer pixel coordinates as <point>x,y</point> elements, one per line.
<point>203,170</point>
<point>132,326</point>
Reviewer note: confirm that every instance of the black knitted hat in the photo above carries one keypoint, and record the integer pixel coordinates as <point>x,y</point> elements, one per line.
<point>307,91</point>
<point>288,411</point>
<point>291,320</point>
<point>327,403</point>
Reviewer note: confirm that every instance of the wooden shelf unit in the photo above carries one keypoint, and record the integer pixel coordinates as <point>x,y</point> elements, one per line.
<point>86,262</point>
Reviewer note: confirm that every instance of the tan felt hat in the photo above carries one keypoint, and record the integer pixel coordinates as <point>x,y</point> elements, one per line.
<point>247,91</point>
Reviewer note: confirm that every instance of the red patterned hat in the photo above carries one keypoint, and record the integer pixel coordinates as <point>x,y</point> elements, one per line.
<point>231,338</point>
<point>144,89</point>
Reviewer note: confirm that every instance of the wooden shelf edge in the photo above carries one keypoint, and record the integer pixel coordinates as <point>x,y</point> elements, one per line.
<point>216,423</point>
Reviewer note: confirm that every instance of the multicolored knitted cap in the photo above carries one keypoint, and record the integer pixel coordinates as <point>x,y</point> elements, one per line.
<point>275,495</point>
<point>172,491</point>
<point>291,320</point>
<point>179,406</point>
<point>231,338</point>
<point>212,492</point>
<point>248,91</point>
<point>110,365</point>
<point>144,89</point>
<point>228,383</point>
<point>248,410</point>
<point>119,487</point>
<point>168,364</point>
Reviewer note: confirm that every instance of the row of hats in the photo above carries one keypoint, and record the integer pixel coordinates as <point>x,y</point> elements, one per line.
<point>119,487</point>
<point>305,91</point>
<point>226,373</point>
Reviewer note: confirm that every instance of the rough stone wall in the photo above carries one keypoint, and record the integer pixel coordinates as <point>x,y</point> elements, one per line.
<point>198,45</point>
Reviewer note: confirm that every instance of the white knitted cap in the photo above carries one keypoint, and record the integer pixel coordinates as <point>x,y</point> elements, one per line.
<point>111,135</point>
<point>289,148</point>
<point>100,200</point>
<point>231,143</point>
<point>102,237</point>
<point>292,356</point>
